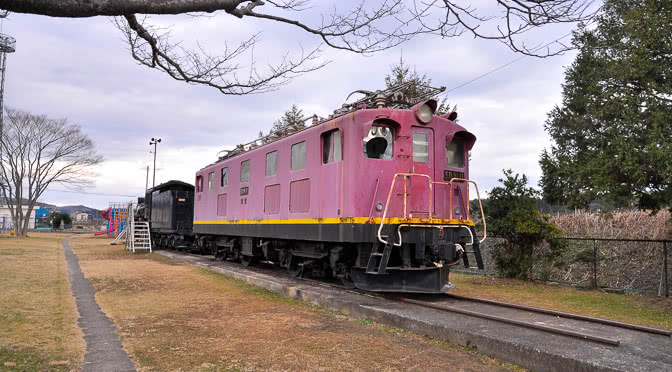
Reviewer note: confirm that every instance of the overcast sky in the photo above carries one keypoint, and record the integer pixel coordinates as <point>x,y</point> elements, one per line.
<point>81,69</point>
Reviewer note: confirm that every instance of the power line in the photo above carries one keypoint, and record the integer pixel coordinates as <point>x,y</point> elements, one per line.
<point>507,64</point>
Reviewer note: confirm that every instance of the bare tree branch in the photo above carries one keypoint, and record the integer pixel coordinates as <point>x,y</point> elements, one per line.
<point>36,152</point>
<point>221,72</point>
<point>515,18</point>
<point>363,27</point>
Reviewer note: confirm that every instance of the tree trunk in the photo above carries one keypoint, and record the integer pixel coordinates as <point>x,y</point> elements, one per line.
<point>26,219</point>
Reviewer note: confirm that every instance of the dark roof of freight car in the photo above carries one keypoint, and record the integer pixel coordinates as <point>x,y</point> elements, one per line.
<point>172,185</point>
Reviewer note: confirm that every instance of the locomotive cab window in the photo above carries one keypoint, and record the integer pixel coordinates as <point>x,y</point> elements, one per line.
<point>455,152</point>
<point>271,164</point>
<point>225,177</point>
<point>379,143</point>
<point>421,147</point>
<point>331,147</point>
<point>245,171</point>
<point>199,183</point>
<point>298,156</point>
<point>211,180</point>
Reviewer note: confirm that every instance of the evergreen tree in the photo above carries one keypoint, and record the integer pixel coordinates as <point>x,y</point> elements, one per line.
<point>401,73</point>
<point>291,121</point>
<point>611,134</point>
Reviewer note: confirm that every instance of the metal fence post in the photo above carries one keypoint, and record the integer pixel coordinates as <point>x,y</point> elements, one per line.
<point>667,288</point>
<point>594,263</point>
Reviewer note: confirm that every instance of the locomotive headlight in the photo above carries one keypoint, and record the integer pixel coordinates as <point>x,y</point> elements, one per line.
<point>379,207</point>
<point>425,111</point>
<point>458,210</point>
<point>424,114</point>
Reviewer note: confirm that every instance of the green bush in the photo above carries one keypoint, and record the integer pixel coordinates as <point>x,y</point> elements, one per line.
<point>511,214</point>
<point>56,218</point>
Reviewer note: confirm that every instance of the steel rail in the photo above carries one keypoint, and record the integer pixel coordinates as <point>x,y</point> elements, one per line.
<point>563,314</point>
<point>564,332</point>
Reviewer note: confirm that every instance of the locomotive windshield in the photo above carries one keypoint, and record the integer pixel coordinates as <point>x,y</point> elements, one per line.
<point>379,143</point>
<point>455,152</point>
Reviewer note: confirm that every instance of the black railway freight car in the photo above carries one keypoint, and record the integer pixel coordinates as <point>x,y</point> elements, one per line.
<point>170,208</point>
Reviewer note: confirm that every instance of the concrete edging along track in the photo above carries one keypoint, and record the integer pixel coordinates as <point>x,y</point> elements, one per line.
<point>104,351</point>
<point>526,347</point>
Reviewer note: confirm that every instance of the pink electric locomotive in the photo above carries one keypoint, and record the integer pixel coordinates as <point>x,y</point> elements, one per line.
<point>376,195</point>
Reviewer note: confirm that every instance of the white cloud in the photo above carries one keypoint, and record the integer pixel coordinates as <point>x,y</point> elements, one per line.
<point>81,69</point>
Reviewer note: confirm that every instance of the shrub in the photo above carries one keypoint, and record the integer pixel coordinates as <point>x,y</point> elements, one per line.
<point>512,214</point>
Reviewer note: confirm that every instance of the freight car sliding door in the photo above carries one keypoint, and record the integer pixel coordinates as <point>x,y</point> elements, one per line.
<point>423,163</point>
<point>331,174</point>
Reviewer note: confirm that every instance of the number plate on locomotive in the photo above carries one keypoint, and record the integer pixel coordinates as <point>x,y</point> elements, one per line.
<point>448,175</point>
<point>244,190</point>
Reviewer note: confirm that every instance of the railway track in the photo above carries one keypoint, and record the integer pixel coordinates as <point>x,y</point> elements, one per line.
<point>515,319</point>
<point>582,327</point>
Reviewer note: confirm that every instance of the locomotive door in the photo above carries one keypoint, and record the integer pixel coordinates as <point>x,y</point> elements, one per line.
<point>331,174</point>
<point>422,163</point>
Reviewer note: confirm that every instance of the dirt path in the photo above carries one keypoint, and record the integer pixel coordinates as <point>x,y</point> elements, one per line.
<point>174,317</point>
<point>104,351</point>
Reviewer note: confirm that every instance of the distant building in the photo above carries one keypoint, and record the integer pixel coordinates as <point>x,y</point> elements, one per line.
<point>41,213</point>
<point>6,222</point>
<point>80,216</point>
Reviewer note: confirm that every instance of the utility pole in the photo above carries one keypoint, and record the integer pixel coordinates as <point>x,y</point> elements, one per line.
<point>147,179</point>
<point>154,141</point>
<point>7,45</point>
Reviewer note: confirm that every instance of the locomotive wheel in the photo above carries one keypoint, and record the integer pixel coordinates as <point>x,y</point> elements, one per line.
<point>347,282</point>
<point>295,267</point>
<point>246,260</point>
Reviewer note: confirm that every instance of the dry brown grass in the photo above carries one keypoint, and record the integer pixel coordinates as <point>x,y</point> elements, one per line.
<point>629,265</point>
<point>616,225</point>
<point>37,311</point>
<point>174,317</point>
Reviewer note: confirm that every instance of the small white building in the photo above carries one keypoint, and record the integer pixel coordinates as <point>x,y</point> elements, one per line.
<point>6,222</point>
<point>80,216</point>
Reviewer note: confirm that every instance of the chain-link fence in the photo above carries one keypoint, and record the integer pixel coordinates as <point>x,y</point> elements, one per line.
<point>634,265</point>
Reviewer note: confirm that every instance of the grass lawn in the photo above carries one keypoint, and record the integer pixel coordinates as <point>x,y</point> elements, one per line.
<point>176,317</point>
<point>38,316</point>
<point>629,308</point>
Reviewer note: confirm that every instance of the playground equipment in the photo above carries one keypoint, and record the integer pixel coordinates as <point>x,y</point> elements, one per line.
<point>135,233</point>
<point>111,226</point>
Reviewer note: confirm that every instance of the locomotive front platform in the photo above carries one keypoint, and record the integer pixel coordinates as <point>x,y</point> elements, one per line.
<point>538,349</point>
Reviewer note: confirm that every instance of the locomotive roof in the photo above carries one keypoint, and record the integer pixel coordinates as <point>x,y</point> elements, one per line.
<point>172,184</point>
<point>391,98</point>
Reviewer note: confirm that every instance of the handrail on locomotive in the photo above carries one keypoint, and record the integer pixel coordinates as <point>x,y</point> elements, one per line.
<point>431,203</point>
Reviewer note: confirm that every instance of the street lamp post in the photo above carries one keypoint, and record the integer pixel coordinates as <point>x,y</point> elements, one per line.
<point>154,141</point>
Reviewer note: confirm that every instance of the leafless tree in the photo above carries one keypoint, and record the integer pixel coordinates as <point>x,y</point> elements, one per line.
<point>366,27</point>
<point>36,152</point>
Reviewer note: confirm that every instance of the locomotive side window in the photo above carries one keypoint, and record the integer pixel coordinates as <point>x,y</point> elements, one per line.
<point>299,155</point>
<point>271,164</point>
<point>245,171</point>
<point>379,143</point>
<point>455,152</point>
<point>199,183</point>
<point>211,180</point>
<point>331,147</point>
<point>225,177</point>
<point>421,147</point>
